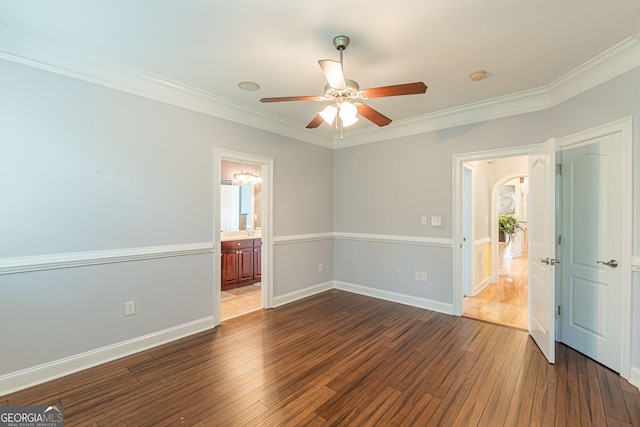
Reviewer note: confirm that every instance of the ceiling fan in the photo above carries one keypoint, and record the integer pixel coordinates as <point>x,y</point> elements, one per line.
<point>345,95</point>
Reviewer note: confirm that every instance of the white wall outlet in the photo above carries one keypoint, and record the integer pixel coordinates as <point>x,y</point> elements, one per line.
<point>397,273</point>
<point>129,308</point>
<point>423,220</point>
<point>436,220</point>
<point>320,267</point>
<point>418,275</point>
<point>423,276</point>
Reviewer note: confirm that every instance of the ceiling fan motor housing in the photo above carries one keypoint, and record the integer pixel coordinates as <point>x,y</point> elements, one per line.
<point>341,42</point>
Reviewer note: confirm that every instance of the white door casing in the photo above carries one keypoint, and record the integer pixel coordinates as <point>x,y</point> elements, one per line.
<point>542,247</point>
<point>595,227</point>
<point>266,165</point>
<point>468,233</point>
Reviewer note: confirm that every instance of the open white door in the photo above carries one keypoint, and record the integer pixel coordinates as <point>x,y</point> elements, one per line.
<point>542,292</point>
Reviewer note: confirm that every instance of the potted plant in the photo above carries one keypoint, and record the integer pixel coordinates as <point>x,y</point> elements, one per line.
<point>508,225</point>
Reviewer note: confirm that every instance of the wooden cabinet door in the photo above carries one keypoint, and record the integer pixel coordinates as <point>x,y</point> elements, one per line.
<point>245,265</point>
<point>229,269</point>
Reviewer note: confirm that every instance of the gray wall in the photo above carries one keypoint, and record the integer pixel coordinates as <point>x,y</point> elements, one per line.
<point>87,168</point>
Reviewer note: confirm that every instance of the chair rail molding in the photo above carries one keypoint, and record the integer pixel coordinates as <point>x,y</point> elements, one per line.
<point>78,259</point>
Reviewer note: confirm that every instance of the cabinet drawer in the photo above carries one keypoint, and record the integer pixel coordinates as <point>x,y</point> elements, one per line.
<point>237,244</point>
<point>257,243</point>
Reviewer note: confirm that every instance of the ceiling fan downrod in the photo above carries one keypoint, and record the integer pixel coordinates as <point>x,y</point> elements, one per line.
<point>341,43</point>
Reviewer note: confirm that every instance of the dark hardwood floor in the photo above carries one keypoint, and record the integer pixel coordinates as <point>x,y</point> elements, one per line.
<point>343,359</point>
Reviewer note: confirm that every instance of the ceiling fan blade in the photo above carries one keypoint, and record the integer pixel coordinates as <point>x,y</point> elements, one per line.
<point>317,121</point>
<point>289,98</point>
<point>333,73</point>
<point>395,90</point>
<point>373,115</point>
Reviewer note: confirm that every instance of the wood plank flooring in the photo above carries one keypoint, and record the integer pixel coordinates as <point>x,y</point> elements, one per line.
<point>343,359</point>
<point>505,302</point>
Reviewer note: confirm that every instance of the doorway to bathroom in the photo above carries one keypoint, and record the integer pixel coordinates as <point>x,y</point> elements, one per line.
<point>241,231</point>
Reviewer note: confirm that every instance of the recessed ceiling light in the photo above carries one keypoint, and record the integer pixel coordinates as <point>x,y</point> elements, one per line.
<point>250,86</point>
<point>478,75</point>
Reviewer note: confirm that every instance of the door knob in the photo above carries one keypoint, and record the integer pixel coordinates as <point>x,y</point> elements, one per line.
<point>613,263</point>
<point>544,261</point>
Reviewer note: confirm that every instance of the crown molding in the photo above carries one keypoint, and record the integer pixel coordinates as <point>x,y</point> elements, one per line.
<point>623,57</point>
<point>490,109</point>
<point>39,53</point>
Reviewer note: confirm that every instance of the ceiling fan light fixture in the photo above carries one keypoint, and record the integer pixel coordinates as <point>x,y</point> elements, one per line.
<point>329,114</point>
<point>349,121</point>
<point>348,113</point>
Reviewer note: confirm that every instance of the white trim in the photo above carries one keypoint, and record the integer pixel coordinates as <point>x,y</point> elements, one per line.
<point>495,108</point>
<point>389,238</point>
<point>623,57</point>
<point>302,293</point>
<point>428,304</point>
<point>36,52</point>
<point>80,259</point>
<point>59,368</point>
<point>482,241</point>
<point>302,238</point>
<point>634,379</point>
<point>625,128</point>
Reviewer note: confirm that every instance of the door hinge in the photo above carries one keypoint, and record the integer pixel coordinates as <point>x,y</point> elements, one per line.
<point>559,311</point>
<point>559,169</point>
<point>559,240</point>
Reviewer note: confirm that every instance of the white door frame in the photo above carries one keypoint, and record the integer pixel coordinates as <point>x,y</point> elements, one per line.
<point>625,127</point>
<point>458,258</point>
<point>467,227</point>
<point>266,165</point>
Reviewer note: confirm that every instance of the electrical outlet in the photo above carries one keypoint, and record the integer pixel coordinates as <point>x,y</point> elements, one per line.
<point>320,267</point>
<point>423,220</point>
<point>397,272</point>
<point>418,275</point>
<point>129,308</point>
<point>423,276</point>
<point>436,220</point>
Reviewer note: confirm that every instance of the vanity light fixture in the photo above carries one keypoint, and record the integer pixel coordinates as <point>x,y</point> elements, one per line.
<point>246,178</point>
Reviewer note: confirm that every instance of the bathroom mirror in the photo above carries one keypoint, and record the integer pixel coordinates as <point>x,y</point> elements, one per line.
<point>236,207</point>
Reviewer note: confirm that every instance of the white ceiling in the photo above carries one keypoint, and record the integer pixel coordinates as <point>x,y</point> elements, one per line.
<point>212,45</point>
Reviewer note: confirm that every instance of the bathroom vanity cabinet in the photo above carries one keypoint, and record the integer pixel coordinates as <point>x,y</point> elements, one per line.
<point>241,262</point>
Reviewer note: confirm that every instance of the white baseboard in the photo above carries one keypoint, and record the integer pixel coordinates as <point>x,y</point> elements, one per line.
<point>635,377</point>
<point>428,304</point>
<point>480,286</point>
<point>302,293</point>
<point>39,374</point>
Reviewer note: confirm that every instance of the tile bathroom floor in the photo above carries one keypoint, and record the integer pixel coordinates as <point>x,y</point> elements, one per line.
<point>238,301</point>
